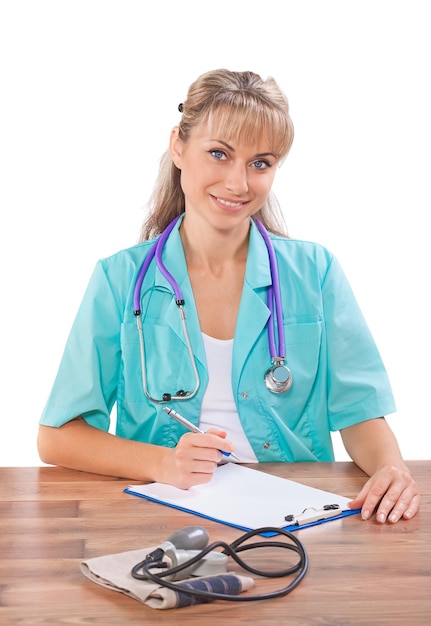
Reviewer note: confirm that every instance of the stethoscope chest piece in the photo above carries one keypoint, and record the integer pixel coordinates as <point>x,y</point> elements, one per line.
<point>278,378</point>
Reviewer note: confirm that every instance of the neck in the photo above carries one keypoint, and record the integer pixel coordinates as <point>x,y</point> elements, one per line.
<point>214,248</point>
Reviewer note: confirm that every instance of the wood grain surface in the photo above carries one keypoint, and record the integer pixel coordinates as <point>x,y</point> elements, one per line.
<point>360,573</point>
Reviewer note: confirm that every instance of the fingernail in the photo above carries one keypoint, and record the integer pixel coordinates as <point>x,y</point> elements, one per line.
<point>393,518</point>
<point>381,517</point>
<point>365,515</point>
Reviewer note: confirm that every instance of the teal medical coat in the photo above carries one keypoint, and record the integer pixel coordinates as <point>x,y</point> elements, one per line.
<point>338,375</point>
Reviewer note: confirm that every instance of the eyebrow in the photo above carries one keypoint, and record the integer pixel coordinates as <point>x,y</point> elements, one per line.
<point>258,155</point>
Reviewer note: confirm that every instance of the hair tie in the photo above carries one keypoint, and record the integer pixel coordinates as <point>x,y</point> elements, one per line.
<point>180,107</point>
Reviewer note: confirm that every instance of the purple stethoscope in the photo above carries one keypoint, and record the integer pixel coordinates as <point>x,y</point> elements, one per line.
<point>277,378</point>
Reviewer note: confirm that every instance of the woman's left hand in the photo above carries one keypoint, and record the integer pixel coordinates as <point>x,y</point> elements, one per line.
<point>391,492</point>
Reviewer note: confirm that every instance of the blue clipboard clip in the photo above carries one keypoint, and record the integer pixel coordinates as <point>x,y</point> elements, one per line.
<point>312,514</point>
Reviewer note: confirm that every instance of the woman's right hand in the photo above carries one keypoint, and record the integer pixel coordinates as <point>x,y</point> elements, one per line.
<point>195,458</point>
<point>77,445</point>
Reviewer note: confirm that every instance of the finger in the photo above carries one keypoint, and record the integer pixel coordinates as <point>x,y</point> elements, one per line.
<point>413,507</point>
<point>405,506</point>
<point>357,502</point>
<point>372,499</point>
<point>387,507</point>
<point>215,431</point>
<point>214,439</point>
<point>194,446</point>
<point>190,479</point>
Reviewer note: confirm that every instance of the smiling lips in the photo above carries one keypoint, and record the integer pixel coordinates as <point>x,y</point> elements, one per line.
<point>232,205</point>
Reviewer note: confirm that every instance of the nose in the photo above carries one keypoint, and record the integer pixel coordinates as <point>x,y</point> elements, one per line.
<point>237,179</point>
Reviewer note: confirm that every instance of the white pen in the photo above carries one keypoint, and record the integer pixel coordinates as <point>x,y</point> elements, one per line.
<point>195,429</point>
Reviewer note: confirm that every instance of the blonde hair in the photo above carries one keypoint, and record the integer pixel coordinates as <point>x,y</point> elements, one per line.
<point>246,107</point>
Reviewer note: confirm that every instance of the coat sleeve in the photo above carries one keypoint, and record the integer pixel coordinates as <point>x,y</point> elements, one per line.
<point>358,385</point>
<point>86,382</point>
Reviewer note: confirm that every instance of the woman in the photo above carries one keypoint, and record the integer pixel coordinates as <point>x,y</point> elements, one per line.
<point>130,345</point>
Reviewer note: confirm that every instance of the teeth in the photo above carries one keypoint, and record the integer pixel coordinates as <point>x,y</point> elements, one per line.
<point>230,204</point>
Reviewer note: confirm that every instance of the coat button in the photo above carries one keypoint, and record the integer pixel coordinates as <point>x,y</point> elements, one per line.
<point>266,445</point>
<point>244,394</point>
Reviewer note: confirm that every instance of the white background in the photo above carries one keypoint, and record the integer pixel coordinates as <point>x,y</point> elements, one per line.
<point>89,93</point>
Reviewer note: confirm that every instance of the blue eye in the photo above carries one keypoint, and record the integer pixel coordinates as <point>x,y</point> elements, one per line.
<point>218,154</point>
<point>261,165</point>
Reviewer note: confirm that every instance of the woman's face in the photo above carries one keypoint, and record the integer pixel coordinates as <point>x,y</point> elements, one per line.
<point>224,181</point>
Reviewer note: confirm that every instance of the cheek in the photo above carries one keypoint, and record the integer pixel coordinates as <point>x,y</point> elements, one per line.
<point>263,184</point>
<point>186,179</point>
<point>195,177</point>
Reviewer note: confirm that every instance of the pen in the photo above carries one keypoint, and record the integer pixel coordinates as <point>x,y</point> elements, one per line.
<point>185,422</point>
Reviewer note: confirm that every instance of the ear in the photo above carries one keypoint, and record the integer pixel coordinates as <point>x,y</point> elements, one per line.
<point>175,147</point>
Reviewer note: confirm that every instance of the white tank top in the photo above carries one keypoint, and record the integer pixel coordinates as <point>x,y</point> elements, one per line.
<point>218,405</point>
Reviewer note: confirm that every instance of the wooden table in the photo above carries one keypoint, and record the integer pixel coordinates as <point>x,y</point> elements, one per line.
<point>51,519</point>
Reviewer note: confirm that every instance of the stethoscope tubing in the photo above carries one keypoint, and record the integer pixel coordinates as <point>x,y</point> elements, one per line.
<point>272,379</point>
<point>156,251</point>
<point>274,296</point>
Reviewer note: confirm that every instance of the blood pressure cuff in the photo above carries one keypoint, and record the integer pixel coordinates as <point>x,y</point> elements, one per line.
<point>114,572</point>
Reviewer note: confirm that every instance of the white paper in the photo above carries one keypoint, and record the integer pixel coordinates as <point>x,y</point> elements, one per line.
<point>243,497</point>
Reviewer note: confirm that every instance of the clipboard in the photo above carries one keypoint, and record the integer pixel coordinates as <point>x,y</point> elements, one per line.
<point>249,499</point>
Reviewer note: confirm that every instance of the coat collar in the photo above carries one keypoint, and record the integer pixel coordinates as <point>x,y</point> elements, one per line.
<point>258,273</point>
<point>253,312</point>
